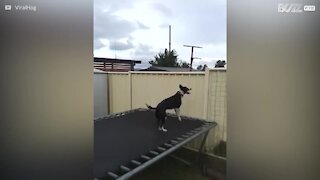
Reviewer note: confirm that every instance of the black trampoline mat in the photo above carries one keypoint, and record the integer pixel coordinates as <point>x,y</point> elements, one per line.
<point>118,140</point>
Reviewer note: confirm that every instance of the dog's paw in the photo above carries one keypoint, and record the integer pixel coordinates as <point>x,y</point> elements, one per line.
<point>179,118</point>
<point>164,130</point>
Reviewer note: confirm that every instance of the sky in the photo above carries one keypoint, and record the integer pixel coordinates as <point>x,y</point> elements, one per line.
<point>139,29</point>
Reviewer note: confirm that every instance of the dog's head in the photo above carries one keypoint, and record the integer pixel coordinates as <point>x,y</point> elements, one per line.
<point>184,89</point>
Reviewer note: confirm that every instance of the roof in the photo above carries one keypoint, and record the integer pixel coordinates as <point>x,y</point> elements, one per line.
<point>111,64</point>
<point>114,60</point>
<point>171,69</point>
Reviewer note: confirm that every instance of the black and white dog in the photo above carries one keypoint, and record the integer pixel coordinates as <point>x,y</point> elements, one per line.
<point>173,102</point>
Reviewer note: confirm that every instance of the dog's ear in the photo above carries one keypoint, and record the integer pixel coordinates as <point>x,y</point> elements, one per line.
<point>180,86</point>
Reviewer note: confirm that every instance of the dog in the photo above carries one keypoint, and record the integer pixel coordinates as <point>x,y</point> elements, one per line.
<point>173,102</point>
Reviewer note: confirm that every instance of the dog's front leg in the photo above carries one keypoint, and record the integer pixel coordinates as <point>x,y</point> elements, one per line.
<point>177,110</point>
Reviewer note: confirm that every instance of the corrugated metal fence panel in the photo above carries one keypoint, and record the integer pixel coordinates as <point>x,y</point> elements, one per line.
<point>153,88</point>
<point>217,107</point>
<point>119,92</point>
<point>100,95</point>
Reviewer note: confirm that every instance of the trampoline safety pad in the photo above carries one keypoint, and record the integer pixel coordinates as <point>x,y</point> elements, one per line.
<point>126,143</point>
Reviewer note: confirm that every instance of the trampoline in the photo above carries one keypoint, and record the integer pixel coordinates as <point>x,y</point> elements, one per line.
<point>125,143</point>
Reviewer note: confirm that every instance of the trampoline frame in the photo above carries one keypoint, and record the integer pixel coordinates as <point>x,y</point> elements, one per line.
<point>163,150</point>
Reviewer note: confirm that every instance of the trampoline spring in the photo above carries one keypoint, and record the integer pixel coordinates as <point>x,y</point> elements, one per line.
<point>113,175</point>
<point>125,168</point>
<point>161,148</point>
<point>136,162</point>
<point>154,153</point>
<point>180,139</point>
<point>167,144</point>
<point>189,133</point>
<point>145,157</point>
<point>174,142</point>
<point>185,136</point>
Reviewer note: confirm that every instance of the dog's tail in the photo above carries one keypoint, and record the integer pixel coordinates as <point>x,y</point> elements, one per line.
<point>150,107</point>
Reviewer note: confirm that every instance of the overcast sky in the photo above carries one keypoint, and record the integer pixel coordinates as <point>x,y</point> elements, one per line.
<point>139,29</point>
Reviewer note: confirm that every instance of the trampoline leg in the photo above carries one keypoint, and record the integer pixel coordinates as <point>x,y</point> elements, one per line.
<point>202,145</point>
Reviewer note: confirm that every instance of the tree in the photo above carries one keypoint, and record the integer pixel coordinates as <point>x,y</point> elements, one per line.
<point>184,64</point>
<point>202,67</point>
<point>166,59</point>
<point>220,64</point>
<point>199,68</point>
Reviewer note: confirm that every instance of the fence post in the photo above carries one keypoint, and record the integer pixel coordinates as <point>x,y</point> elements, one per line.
<point>130,89</point>
<point>206,92</point>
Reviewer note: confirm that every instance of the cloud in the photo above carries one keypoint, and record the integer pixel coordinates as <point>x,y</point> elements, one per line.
<point>111,27</point>
<point>118,45</point>
<point>164,10</point>
<point>112,5</point>
<point>141,25</point>
<point>164,25</point>
<point>144,51</point>
<point>98,44</point>
<point>200,23</point>
<point>108,26</point>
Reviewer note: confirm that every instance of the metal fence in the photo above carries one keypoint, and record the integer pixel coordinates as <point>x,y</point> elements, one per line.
<point>101,93</point>
<point>207,100</point>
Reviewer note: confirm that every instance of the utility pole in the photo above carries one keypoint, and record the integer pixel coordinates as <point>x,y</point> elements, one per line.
<point>115,49</point>
<point>192,58</point>
<point>169,38</point>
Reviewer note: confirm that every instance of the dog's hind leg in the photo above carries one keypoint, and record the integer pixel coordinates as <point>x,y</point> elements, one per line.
<point>177,110</point>
<point>159,124</point>
<point>162,122</point>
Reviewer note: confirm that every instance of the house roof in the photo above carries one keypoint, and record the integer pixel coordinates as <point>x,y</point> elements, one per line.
<point>111,64</point>
<point>113,60</point>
